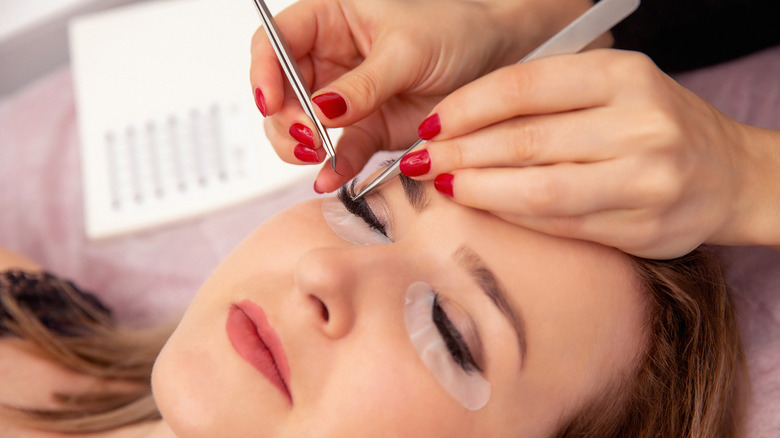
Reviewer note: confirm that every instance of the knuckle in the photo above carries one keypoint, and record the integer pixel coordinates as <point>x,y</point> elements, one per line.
<point>664,124</point>
<point>405,41</point>
<point>456,156</point>
<point>524,142</point>
<point>541,195</point>
<point>448,155</point>
<point>658,130</point>
<point>656,126</point>
<point>518,82</point>
<point>660,184</point>
<point>365,83</point>
<point>631,66</point>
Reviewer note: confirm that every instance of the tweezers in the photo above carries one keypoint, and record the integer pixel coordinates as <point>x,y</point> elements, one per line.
<point>295,77</point>
<point>594,22</point>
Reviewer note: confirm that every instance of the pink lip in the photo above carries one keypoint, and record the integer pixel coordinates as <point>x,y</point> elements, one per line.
<point>257,343</point>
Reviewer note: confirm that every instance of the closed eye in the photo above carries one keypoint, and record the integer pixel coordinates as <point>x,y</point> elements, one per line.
<point>360,208</point>
<point>456,345</point>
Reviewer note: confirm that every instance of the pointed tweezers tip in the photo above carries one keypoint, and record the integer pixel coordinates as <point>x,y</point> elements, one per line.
<point>389,173</point>
<point>333,166</point>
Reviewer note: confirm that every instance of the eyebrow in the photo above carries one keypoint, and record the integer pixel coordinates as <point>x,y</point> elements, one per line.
<point>415,193</point>
<point>470,261</point>
<point>488,282</point>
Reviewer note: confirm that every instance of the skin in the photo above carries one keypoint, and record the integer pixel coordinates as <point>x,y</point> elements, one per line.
<point>391,61</point>
<point>355,372</point>
<point>29,378</point>
<point>656,170</point>
<point>603,146</point>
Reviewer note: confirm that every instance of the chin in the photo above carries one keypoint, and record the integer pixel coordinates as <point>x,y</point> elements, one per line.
<point>203,389</point>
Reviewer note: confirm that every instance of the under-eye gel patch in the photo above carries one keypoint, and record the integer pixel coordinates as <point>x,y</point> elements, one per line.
<point>348,226</point>
<point>470,389</point>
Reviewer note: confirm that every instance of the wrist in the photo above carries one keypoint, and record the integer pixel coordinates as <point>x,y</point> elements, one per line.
<point>755,216</point>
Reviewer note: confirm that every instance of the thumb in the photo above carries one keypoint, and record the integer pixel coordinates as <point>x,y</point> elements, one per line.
<point>360,92</point>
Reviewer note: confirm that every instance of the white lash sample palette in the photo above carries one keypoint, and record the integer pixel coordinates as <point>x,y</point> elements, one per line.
<point>169,129</point>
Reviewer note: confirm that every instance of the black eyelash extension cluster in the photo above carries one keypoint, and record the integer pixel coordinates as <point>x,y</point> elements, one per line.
<point>360,208</point>
<point>452,338</point>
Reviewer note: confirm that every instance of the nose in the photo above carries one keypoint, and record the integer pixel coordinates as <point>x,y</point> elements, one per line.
<point>351,282</point>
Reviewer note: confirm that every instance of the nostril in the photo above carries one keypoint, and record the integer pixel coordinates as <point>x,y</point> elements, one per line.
<point>323,308</point>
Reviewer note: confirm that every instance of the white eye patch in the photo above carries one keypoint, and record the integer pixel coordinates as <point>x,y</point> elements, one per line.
<point>470,389</point>
<point>348,226</point>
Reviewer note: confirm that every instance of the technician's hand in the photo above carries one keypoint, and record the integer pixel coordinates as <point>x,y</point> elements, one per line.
<point>377,67</point>
<point>603,146</point>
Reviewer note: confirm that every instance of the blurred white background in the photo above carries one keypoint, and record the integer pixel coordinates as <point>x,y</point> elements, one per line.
<point>34,37</point>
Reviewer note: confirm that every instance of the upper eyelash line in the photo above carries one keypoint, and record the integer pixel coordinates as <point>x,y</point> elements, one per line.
<point>360,208</point>
<point>451,334</point>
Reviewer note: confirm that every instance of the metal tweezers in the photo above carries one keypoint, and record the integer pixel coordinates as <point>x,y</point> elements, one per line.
<point>295,77</point>
<point>597,20</point>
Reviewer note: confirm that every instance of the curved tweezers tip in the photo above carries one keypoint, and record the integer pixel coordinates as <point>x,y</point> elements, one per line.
<point>333,166</point>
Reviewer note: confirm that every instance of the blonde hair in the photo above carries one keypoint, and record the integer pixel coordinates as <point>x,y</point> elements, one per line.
<point>77,332</point>
<point>685,383</point>
<point>682,386</point>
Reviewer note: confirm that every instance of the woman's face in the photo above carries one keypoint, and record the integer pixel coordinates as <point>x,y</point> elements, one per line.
<point>542,325</point>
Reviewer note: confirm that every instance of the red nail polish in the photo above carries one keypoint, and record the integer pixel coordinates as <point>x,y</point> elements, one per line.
<point>443,183</point>
<point>302,134</point>
<point>260,101</point>
<point>430,127</point>
<point>331,104</point>
<point>416,163</point>
<point>306,154</point>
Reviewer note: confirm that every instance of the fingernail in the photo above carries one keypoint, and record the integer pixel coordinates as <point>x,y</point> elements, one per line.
<point>260,101</point>
<point>331,104</point>
<point>317,188</point>
<point>302,134</point>
<point>443,183</point>
<point>416,163</point>
<point>430,127</point>
<point>306,154</point>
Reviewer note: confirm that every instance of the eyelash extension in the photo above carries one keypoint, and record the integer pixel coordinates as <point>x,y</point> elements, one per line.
<point>457,347</point>
<point>360,208</point>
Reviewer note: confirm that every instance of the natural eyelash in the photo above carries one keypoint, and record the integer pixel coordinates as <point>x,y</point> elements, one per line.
<point>360,208</point>
<point>457,347</point>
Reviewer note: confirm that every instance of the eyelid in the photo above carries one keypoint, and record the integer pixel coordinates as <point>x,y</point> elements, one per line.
<point>472,390</point>
<point>458,317</point>
<point>372,209</point>
<point>349,226</point>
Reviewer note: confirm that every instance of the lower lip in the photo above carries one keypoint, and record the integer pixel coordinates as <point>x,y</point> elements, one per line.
<point>256,342</point>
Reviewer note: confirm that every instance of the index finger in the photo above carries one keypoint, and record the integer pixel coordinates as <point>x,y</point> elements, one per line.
<point>297,24</point>
<point>551,85</point>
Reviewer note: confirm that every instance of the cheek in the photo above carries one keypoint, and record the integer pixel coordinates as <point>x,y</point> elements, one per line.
<point>203,389</point>
<point>386,392</point>
<point>268,256</point>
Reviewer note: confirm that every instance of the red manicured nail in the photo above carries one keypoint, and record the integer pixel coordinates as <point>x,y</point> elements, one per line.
<point>416,163</point>
<point>331,104</point>
<point>260,101</point>
<point>302,134</point>
<point>307,154</point>
<point>443,183</point>
<point>430,127</point>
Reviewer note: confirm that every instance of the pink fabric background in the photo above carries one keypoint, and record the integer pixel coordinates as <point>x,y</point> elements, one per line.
<point>151,276</point>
